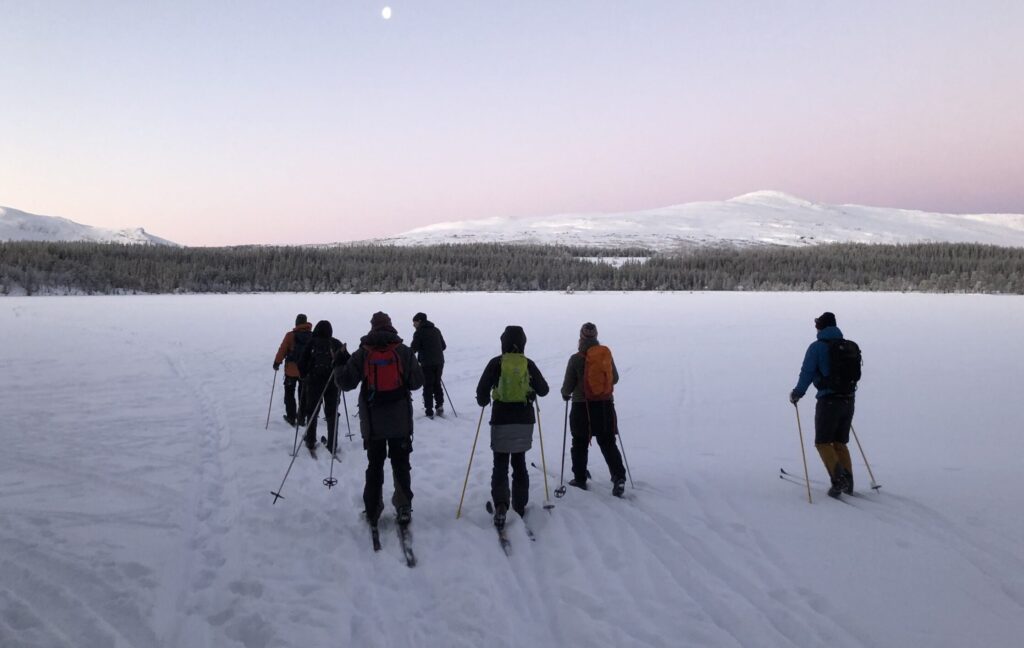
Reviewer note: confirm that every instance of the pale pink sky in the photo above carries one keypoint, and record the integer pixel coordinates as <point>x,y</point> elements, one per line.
<point>270,122</point>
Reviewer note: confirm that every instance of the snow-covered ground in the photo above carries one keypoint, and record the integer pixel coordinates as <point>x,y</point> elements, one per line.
<point>136,475</point>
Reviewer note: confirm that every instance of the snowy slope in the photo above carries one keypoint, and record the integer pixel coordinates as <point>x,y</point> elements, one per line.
<point>136,473</point>
<point>17,225</point>
<point>759,218</point>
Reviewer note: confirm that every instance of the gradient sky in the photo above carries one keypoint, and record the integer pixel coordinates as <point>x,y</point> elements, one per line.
<point>220,122</point>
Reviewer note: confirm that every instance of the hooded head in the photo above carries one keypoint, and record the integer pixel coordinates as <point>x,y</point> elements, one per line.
<point>419,317</point>
<point>381,321</point>
<point>300,319</point>
<point>323,329</point>
<point>825,320</point>
<point>513,340</point>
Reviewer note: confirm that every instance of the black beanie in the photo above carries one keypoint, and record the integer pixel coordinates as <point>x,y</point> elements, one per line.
<point>825,320</point>
<point>588,331</point>
<point>419,317</point>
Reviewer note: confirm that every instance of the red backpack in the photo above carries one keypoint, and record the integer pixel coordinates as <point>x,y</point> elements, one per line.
<point>382,371</point>
<point>598,376</point>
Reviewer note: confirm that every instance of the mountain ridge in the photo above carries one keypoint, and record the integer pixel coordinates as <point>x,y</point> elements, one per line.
<point>17,225</point>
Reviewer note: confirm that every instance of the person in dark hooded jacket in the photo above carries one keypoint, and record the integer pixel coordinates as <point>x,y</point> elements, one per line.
<point>428,344</point>
<point>833,413</point>
<point>320,394</point>
<point>591,419</point>
<point>388,372</point>
<point>513,388</point>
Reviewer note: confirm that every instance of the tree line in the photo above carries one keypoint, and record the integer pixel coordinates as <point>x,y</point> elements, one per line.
<point>110,268</point>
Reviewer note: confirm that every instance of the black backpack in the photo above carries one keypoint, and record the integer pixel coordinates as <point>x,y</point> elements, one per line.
<point>299,342</point>
<point>321,360</point>
<point>844,361</point>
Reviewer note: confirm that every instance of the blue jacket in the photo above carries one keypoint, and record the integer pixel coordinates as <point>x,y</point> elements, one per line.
<point>816,365</point>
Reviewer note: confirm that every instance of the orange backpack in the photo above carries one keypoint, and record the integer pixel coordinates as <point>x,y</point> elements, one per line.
<point>597,373</point>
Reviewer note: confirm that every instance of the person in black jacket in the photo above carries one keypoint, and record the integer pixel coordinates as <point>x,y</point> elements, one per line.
<point>317,367</point>
<point>514,382</point>
<point>388,372</point>
<point>428,344</point>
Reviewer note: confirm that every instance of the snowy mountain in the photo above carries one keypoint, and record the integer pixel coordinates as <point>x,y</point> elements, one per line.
<point>17,225</point>
<point>759,218</point>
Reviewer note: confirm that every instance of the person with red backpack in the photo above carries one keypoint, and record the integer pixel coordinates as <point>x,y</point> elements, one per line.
<point>513,382</point>
<point>289,352</point>
<point>317,367</point>
<point>388,372</point>
<point>590,377</point>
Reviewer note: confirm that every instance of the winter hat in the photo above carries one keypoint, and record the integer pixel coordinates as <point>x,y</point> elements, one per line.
<point>380,320</point>
<point>513,340</point>
<point>300,319</point>
<point>419,317</point>
<point>825,320</point>
<point>588,331</point>
<point>323,329</point>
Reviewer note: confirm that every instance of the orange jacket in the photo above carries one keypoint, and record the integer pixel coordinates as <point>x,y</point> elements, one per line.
<point>290,367</point>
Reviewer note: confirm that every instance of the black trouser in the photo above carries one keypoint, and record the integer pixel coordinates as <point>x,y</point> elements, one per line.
<point>433,393</point>
<point>290,383</point>
<point>594,419</point>
<point>520,481</point>
<point>329,408</point>
<point>833,416</point>
<point>376,452</point>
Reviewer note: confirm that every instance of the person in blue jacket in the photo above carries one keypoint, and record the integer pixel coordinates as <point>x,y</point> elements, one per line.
<point>833,412</point>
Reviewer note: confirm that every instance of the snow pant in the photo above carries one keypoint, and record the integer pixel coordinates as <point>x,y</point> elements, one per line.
<point>290,384</point>
<point>520,481</point>
<point>433,393</point>
<point>594,419</point>
<point>833,416</point>
<point>377,451</point>
<point>329,408</point>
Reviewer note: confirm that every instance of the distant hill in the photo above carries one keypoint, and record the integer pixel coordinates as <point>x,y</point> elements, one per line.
<point>16,225</point>
<point>754,219</point>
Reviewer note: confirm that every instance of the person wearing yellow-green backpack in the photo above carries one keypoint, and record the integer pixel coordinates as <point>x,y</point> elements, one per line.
<point>513,382</point>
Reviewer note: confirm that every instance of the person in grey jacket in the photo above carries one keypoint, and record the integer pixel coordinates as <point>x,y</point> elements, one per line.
<point>512,420</point>
<point>385,412</point>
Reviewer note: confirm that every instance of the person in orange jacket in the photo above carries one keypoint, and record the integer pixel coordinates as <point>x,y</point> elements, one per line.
<point>291,349</point>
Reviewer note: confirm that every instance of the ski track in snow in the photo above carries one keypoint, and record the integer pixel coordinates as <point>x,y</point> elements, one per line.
<point>135,487</point>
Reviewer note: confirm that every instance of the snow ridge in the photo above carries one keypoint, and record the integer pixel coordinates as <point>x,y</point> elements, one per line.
<point>757,218</point>
<point>16,225</point>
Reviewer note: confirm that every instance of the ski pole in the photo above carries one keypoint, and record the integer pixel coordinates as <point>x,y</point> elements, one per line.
<point>560,491</point>
<point>448,396</point>
<point>277,494</point>
<point>348,422</point>
<point>874,485</point>
<point>458,513</point>
<point>615,421</point>
<point>803,452</point>
<point>547,498</point>
<point>271,405</point>
<point>330,482</point>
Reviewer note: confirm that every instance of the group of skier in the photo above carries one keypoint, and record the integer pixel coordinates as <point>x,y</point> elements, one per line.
<point>387,372</point>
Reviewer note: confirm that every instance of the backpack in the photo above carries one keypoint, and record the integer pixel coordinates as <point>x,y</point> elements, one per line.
<point>300,339</point>
<point>598,375</point>
<point>844,361</point>
<point>382,372</point>
<point>513,380</point>
<point>321,358</point>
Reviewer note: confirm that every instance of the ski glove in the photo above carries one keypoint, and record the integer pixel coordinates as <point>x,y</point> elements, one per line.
<point>277,365</point>
<point>794,396</point>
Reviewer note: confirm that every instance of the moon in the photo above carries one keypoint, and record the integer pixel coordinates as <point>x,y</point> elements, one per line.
<point>386,13</point>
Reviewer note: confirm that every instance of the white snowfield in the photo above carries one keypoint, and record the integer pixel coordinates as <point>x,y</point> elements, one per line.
<point>136,475</point>
<point>16,225</point>
<point>758,218</point>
